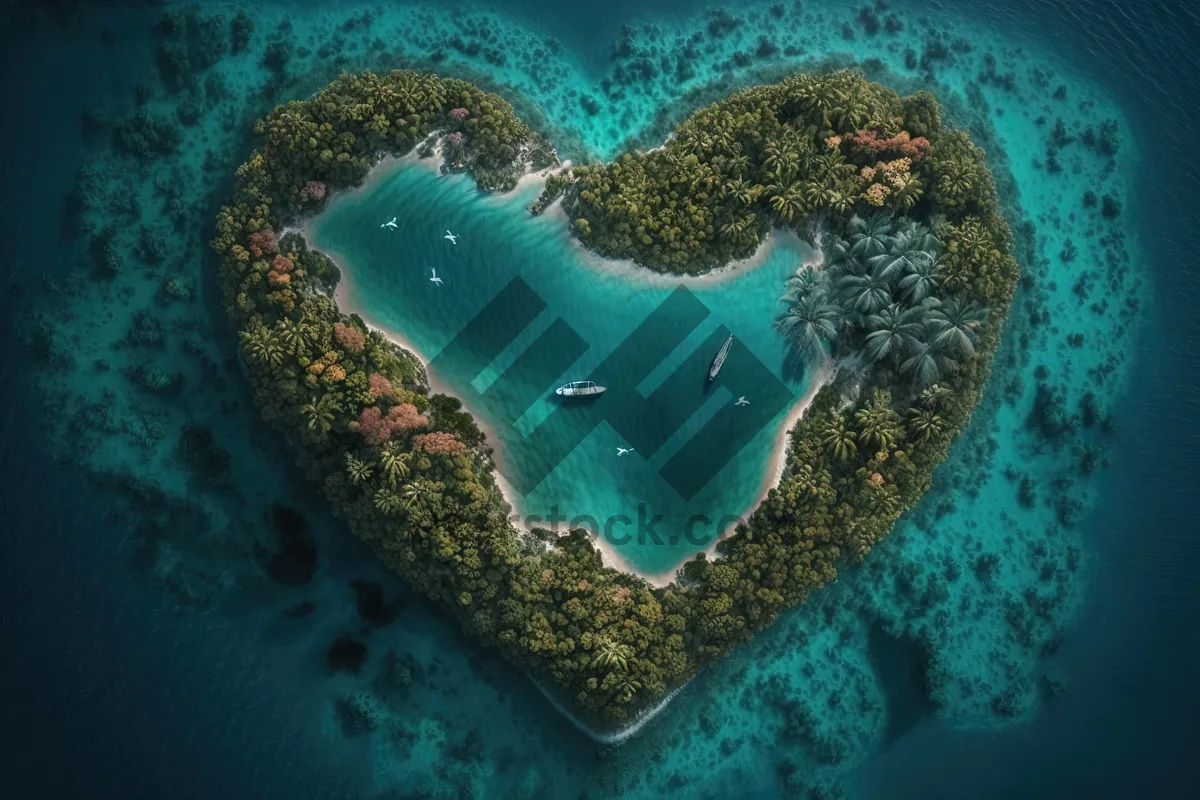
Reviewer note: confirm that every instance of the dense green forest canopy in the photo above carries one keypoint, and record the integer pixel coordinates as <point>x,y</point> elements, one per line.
<point>909,304</point>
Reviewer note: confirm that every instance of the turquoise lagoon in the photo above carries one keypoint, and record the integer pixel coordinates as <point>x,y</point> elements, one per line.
<point>523,308</point>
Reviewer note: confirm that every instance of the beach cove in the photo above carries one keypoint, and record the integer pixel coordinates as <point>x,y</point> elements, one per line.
<point>386,281</point>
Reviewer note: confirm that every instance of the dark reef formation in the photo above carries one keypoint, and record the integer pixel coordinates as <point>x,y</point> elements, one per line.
<point>295,561</point>
<point>346,655</point>
<point>372,608</point>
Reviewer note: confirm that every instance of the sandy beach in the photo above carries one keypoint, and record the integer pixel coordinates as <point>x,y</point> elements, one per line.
<point>344,297</point>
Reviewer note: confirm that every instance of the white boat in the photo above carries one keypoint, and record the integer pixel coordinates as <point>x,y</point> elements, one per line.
<point>719,358</point>
<point>579,389</point>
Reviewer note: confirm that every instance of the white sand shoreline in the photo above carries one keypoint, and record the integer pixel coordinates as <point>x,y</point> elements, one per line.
<point>610,555</point>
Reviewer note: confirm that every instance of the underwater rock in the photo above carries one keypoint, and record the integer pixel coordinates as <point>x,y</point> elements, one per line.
<point>589,104</point>
<point>398,673</point>
<point>205,458</point>
<point>346,655</point>
<point>1109,207</point>
<point>1049,415</point>
<point>296,561</point>
<point>359,713</point>
<point>721,23</point>
<point>370,604</point>
<point>902,665</point>
<point>241,29</point>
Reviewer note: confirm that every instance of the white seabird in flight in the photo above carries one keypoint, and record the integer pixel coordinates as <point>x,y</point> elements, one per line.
<point>435,278</point>
<point>453,237</point>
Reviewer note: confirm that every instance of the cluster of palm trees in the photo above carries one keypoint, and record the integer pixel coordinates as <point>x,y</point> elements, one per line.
<point>619,682</point>
<point>761,157</point>
<point>878,294</point>
<point>391,494</point>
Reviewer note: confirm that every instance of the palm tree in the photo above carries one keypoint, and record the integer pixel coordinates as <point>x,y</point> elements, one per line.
<point>893,330</point>
<point>956,326</point>
<point>923,236</point>
<point>878,424</point>
<point>836,438</point>
<point>841,202</point>
<point>776,157</point>
<point>625,685</point>
<point>830,168</point>
<point>809,322</point>
<point>818,194</point>
<point>612,654</point>
<point>739,163</point>
<point>787,202</point>
<point>412,492</point>
<point>802,284</point>
<point>406,92</point>
<point>884,501</point>
<point>359,470</point>
<point>818,103</point>
<point>924,366</point>
<point>939,228</point>
<point>901,258</point>
<point>936,396</point>
<point>320,412</point>
<point>804,481</point>
<point>851,113</point>
<point>261,347</point>
<point>955,182</point>
<point>741,190</point>
<point>925,276</point>
<point>865,294</point>
<point>293,335</point>
<point>909,194</point>
<point>871,236</point>
<point>738,226</point>
<point>394,462</point>
<point>924,423</point>
<point>388,501</point>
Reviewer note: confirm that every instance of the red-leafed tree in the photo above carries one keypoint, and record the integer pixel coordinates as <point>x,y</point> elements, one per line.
<point>349,337</point>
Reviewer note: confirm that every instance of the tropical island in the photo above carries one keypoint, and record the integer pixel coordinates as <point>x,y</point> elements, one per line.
<point>909,306</point>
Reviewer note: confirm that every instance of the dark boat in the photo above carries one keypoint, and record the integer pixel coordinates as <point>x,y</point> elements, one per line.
<point>719,358</point>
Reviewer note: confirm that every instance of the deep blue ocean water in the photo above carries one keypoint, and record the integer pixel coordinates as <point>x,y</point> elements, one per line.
<point>112,692</point>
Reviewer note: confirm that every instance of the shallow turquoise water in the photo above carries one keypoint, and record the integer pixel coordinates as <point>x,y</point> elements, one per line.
<point>699,463</point>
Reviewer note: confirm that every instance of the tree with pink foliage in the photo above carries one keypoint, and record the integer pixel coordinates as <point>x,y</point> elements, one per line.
<point>379,386</point>
<point>405,417</point>
<point>455,140</point>
<point>282,264</point>
<point>263,241</point>
<point>915,148</point>
<point>903,142</point>
<point>373,426</point>
<point>438,443</point>
<point>459,114</point>
<point>377,427</point>
<point>349,337</point>
<point>313,190</point>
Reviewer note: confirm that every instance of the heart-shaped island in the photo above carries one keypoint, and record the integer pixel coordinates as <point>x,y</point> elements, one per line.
<point>861,376</point>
